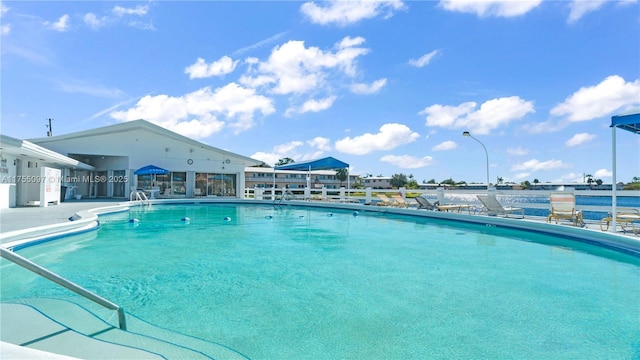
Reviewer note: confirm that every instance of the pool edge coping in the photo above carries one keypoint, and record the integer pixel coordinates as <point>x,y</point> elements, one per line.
<point>87,220</point>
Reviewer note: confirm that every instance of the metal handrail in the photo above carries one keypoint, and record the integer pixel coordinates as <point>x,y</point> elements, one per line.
<point>31,266</point>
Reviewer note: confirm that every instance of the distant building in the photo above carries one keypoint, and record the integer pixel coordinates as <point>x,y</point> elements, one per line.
<point>575,186</point>
<point>259,177</point>
<point>538,186</point>
<point>377,182</point>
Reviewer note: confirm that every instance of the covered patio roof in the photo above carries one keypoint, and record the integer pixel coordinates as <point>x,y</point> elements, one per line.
<point>629,122</point>
<point>328,163</point>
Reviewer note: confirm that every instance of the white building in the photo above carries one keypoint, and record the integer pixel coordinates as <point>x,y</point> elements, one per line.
<point>31,174</point>
<point>259,177</point>
<point>112,154</point>
<point>377,182</point>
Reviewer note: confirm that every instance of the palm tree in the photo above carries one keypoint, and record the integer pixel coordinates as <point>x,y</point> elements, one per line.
<point>590,179</point>
<point>342,175</point>
<point>285,161</point>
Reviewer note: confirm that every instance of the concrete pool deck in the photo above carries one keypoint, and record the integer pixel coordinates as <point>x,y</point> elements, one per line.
<point>20,218</point>
<point>39,328</point>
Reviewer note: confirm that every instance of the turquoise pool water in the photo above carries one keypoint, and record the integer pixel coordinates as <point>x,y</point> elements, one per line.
<point>297,283</point>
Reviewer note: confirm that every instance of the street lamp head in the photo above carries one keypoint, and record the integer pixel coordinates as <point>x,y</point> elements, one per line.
<point>486,153</point>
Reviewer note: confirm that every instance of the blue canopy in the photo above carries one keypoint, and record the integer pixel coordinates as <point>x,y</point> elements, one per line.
<point>151,170</point>
<point>631,123</point>
<point>328,163</point>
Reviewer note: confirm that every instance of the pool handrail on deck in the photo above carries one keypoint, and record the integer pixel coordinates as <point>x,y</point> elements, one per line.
<point>50,275</point>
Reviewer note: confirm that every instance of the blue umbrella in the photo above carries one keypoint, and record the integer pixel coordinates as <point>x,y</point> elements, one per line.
<point>151,170</point>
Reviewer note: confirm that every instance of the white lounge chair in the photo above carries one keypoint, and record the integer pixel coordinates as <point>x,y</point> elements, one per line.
<point>493,207</point>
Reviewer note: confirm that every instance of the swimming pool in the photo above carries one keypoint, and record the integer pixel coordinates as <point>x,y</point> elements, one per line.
<point>295,282</point>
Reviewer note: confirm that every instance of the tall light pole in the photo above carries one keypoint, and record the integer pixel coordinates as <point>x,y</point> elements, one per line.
<point>466,133</point>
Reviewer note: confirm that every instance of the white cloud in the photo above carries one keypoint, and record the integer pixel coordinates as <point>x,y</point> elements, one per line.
<point>317,105</point>
<point>344,13</point>
<point>61,25</point>
<point>600,173</point>
<point>543,127</point>
<point>196,128</point>
<point>579,139</point>
<point>204,111</point>
<point>535,165</point>
<point>134,17</point>
<point>267,158</point>
<point>580,7</point>
<point>291,150</point>
<point>91,20</point>
<point>519,151</point>
<point>491,114</point>
<point>612,94</point>
<point>348,42</point>
<point>320,143</point>
<point>365,89</point>
<point>388,137</point>
<point>5,29</point>
<point>424,59</point>
<point>446,145</point>
<point>521,176</point>
<point>296,69</point>
<point>486,8</point>
<point>407,161</point>
<point>256,81</point>
<point>201,69</point>
<point>311,105</point>
<point>288,148</point>
<point>82,87</point>
<point>570,178</point>
<point>139,10</point>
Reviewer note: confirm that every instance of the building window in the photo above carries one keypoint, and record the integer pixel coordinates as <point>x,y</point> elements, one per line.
<point>213,184</point>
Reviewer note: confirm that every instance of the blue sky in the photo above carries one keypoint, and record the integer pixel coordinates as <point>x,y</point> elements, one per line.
<point>386,86</point>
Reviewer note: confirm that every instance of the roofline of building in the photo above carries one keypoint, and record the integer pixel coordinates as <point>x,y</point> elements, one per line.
<point>136,125</point>
<point>29,149</point>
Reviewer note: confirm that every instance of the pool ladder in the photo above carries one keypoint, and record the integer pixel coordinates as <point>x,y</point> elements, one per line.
<point>140,196</point>
<point>49,275</point>
<point>285,192</point>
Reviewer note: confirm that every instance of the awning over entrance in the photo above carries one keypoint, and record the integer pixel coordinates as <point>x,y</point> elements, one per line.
<point>328,163</point>
<point>151,170</point>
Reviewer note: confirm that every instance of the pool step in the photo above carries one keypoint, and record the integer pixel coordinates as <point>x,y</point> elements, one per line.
<point>65,328</point>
